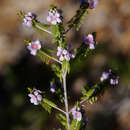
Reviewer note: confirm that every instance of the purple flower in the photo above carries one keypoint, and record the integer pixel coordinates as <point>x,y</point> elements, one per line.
<point>27,21</point>
<point>52,90</point>
<point>105,76</point>
<point>64,54</point>
<point>92,3</point>
<point>76,114</point>
<point>34,46</point>
<point>52,87</point>
<point>89,40</point>
<point>35,97</point>
<point>54,17</point>
<point>114,81</point>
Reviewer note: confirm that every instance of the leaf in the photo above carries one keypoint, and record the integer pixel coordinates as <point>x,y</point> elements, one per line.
<point>46,107</point>
<point>62,119</point>
<point>50,103</point>
<point>84,91</point>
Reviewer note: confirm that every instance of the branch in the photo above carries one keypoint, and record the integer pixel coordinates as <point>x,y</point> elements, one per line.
<point>57,108</point>
<point>65,96</point>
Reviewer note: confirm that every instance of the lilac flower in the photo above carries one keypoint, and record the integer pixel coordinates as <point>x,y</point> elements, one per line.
<point>52,87</point>
<point>92,3</point>
<point>76,114</point>
<point>89,40</point>
<point>34,46</point>
<point>105,75</point>
<point>54,17</point>
<point>27,21</point>
<point>64,54</point>
<point>114,81</point>
<point>35,97</point>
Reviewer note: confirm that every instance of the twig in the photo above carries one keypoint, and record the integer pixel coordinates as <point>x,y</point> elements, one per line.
<point>39,27</point>
<point>45,54</point>
<point>57,108</point>
<point>65,97</point>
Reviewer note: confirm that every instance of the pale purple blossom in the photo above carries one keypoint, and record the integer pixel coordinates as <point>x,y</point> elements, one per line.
<point>27,21</point>
<point>93,3</point>
<point>105,75</point>
<point>64,54</point>
<point>76,114</point>
<point>34,46</point>
<point>54,17</point>
<point>52,90</point>
<point>114,81</point>
<point>89,40</point>
<point>52,87</point>
<point>35,97</point>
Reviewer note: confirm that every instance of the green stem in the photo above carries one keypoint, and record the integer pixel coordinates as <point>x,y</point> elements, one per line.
<point>45,54</point>
<point>57,108</point>
<point>41,27</point>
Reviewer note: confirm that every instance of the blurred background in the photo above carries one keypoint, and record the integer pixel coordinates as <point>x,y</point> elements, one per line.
<point>19,70</point>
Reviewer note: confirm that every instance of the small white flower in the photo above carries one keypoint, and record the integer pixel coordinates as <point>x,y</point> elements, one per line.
<point>34,46</point>
<point>54,17</point>
<point>76,114</point>
<point>89,40</point>
<point>35,97</point>
<point>105,76</point>
<point>64,54</point>
<point>27,21</point>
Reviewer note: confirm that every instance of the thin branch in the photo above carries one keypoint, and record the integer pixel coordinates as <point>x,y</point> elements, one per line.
<point>65,97</point>
<point>57,108</point>
<point>39,27</point>
<point>45,54</point>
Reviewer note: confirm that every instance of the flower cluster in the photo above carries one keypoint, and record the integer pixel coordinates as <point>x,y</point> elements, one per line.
<point>27,21</point>
<point>64,54</point>
<point>35,96</point>
<point>76,114</point>
<point>54,17</point>
<point>34,46</point>
<point>114,80</point>
<point>89,40</point>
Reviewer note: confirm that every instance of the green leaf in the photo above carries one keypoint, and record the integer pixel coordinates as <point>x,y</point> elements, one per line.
<point>62,119</point>
<point>50,103</point>
<point>46,107</point>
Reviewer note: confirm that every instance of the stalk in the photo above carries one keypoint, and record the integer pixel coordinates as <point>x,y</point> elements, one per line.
<point>65,97</point>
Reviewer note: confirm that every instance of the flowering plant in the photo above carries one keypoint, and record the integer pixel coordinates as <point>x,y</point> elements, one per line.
<point>75,118</point>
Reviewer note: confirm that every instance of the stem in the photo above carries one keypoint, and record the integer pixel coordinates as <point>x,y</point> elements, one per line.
<point>57,108</point>
<point>65,97</point>
<point>81,102</point>
<point>41,28</point>
<point>45,54</point>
